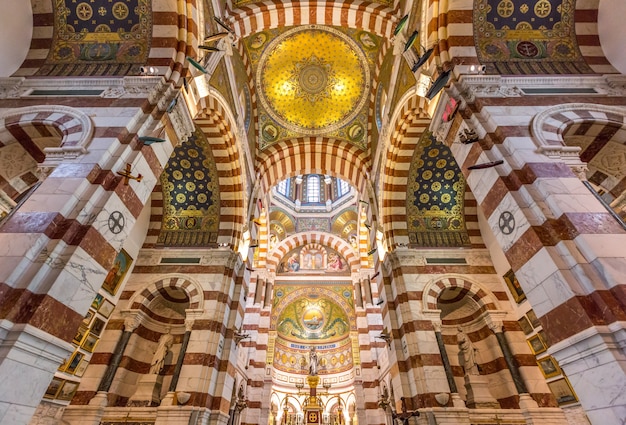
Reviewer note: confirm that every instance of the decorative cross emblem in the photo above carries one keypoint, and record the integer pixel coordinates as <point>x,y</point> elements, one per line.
<point>116,222</point>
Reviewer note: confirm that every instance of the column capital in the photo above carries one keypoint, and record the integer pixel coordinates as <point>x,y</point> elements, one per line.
<point>132,320</point>
<point>495,320</point>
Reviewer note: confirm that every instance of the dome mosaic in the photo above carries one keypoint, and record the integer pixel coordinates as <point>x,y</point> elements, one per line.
<point>313,79</point>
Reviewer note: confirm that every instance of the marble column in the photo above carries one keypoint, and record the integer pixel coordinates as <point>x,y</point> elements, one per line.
<point>130,324</point>
<point>181,355</point>
<point>444,358</point>
<point>497,329</point>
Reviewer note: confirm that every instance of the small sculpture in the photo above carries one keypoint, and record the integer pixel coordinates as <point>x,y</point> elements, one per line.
<point>468,352</point>
<point>158,359</point>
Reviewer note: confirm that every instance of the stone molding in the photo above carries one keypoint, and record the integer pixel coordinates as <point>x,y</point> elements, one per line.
<point>128,87</point>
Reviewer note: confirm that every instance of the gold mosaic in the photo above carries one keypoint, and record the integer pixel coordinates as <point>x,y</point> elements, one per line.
<point>313,80</point>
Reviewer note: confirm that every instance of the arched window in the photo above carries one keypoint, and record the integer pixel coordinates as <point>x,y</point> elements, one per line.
<point>313,188</point>
<point>342,188</point>
<point>283,187</point>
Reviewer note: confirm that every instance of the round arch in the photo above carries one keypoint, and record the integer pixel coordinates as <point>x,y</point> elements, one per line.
<point>217,124</point>
<point>409,123</point>
<point>254,17</point>
<point>322,238</point>
<point>141,299</point>
<point>484,299</point>
<point>313,155</point>
<point>73,126</point>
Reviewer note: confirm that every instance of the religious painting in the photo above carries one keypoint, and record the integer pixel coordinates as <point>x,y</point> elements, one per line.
<point>53,388</point>
<point>74,362</point>
<point>532,316</point>
<point>313,259</point>
<point>98,326</point>
<point>514,287</point>
<point>90,342</point>
<point>80,334</point>
<point>97,301</point>
<point>563,391</point>
<point>88,317</point>
<point>525,325</point>
<point>106,308</point>
<point>67,391</point>
<point>116,275</point>
<point>82,366</point>
<point>537,344</point>
<point>549,367</point>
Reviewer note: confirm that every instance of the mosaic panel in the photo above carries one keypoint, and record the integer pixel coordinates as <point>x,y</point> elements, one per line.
<point>313,259</point>
<point>435,194</point>
<point>294,87</point>
<point>99,37</point>
<point>190,195</point>
<point>333,299</point>
<point>524,37</point>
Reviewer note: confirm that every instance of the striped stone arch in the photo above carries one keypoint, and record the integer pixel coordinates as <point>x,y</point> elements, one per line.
<point>548,126</point>
<point>588,38</point>
<point>25,125</point>
<point>169,44</point>
<point>322,238</point>
<point>313,155</point>
<point>195,296</point>
<point>483,297</point>
<point>255,17</point>
<point>216,125</point>
<point>409,127</point>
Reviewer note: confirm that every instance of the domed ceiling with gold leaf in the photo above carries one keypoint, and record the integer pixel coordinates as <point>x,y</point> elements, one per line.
<point>313,80</point>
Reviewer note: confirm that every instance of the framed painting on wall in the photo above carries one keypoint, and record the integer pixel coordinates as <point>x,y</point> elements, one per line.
<point>74,362</point>
<point>53,388</point>
<point>537,344</point>
<point>563,391</point>
<point>514,287</point>
<point>549,367</point>
<point>525,325</point>
<point>67,391</point>
<point>114,278</point>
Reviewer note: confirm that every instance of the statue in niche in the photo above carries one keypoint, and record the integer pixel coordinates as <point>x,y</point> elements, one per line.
<point>158,359</point>
<point>468,353</point>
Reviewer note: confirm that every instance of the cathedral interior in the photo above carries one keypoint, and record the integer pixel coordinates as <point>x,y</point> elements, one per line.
<point>330,212</point>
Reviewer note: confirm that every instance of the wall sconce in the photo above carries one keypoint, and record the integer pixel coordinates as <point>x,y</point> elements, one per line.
<point>477,69</point>
<point>148,70</point>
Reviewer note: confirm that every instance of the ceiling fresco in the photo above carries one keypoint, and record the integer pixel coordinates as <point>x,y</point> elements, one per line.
<point>191,195</point>
<point>527,37</point>
<point>315,314</point>
<point>99,37</point>
<point>435,195</point>
<point>313,80</point>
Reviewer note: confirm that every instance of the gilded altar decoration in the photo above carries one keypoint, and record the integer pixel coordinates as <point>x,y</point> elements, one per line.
<point>99,37</point>
<point>435,197</point>
<point>190,195</point>
<point>523,37</point>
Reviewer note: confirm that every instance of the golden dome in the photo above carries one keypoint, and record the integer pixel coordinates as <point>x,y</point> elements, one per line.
<point>313,79</point>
